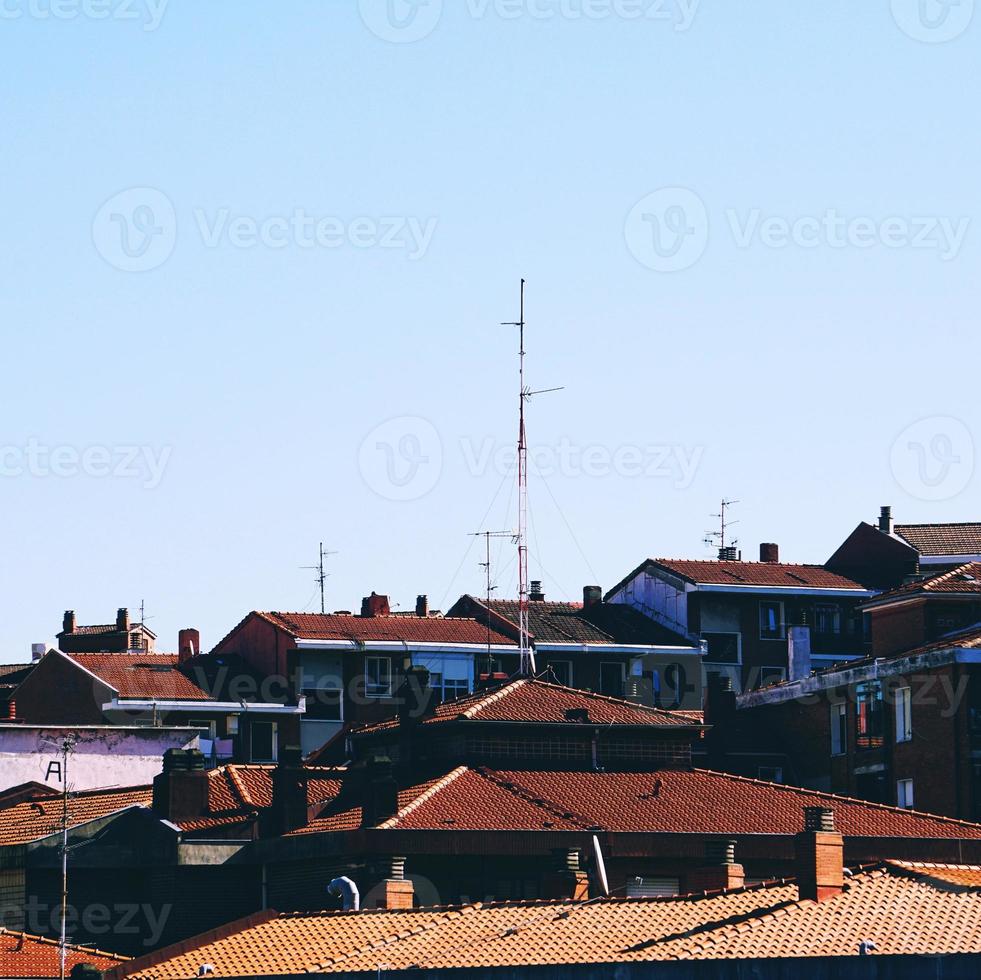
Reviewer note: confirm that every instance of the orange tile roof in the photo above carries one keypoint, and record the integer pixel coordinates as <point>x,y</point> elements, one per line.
<point>26,822</point>
<point>695,801</point>
<point>24,955</point>
<point>965,578</point>
<point>763,574</point>
<point>535,701</point>
<point>942,539</point>
<point>419,629</point>
<point>901,908</point>
<point>142,675</point>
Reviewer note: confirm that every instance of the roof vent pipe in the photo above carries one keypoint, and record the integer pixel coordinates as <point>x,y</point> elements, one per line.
<point>347,891</point>
<point>885,519</point>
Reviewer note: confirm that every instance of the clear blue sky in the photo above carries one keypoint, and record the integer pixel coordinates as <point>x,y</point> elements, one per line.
<point>255,364</point>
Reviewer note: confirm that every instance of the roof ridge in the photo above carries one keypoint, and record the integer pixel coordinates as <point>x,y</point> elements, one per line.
<point>239,786</point>
<point>598,696</point>
<point>506,688</point>
<point>920,814</point>
<point>439,785</point>
<point>47,941</point>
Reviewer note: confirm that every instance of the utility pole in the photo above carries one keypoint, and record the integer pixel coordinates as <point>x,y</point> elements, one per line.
<point>321,577</point>
<point>524,394</point>
<point>67,748</point>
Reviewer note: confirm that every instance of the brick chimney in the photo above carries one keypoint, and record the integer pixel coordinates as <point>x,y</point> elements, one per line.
<point>592,595</point>
<point>567,881</point>
<point>422,606</point>
<point>770,553</point>
<point>122,620</point>
<point>375,605</point>
<point>380,792</point>
<point>180,792</point>
<point>394,891</point>
<point>719,870</point>
<point>289,792</point>
<point>535,593</point>
<point>188,644</point>
<point>885,519</point>
<point>68,623</point>
<point>820,856</point>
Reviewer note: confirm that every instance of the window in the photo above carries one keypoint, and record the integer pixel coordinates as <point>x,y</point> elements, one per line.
<point>653,887</point>
<point>904,719</point>
<point>771,621</point>
<point>723,648</point>
<point>560,672</point>
<point>770,774</point>
<point>827,618</point>
<point>450,676</point>
<point>323,704</point>
<point>263,741</point>
<point>839,729</point>
<point>868,714</point>
<point>904,793</point>
<point>378,677</point>
<point>612,676</point>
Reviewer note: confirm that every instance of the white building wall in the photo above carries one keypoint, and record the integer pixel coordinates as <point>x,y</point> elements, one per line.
<point>103,757</point>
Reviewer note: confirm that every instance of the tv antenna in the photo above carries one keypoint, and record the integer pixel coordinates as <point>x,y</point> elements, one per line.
<point>525,394</point>
<point>486,566</point>
<point>719,538</point>
<point>322,576</point>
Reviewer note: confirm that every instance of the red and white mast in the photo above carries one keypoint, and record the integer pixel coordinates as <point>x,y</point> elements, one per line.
<point>527,657</point>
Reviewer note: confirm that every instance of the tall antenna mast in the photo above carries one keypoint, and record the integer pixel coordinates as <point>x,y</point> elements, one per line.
<point>321,577</point>
<point>719,537</point>
<point>67,748</point>
<point>486,565</point>
<point>527,656</point>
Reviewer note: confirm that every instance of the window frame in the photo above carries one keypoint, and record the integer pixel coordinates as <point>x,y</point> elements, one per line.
<point>623,677</point>
<point>905,798</point>
<point>551,664</point>
<point>874,722</point>
<point>825,608</point>
<point>372,690</point>
<point>839,728</point>
<point>739,647</point>
<point>274,739</point>
<point>781,633</point>
<point>903,712</point>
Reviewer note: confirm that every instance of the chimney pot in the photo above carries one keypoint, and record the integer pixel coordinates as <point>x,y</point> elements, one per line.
<point>770,553</point>
<point>289,792</point>
<point>375,605</point>
<point>422,606</point>
<point>535,593</point>
<point>68,624</point>
<point>885,519</point>
<point>592,595</point>
<point>188,644</point>
<point>180,792</point>
<point>820,856</point>
<point>122,620</point>
<point>719,869</point>
<point>728,553</point>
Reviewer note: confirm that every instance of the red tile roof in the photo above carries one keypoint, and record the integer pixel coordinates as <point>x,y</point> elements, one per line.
<point>965,579</point>
<point>764,574</point>
<point>667,801</point>
<point>413,629</point>
<point>535,701</point>
<point>901,908</point>
<point>141,675</point>
<point>942,539</point>
<point>30,821</point>
<point>24,955</point>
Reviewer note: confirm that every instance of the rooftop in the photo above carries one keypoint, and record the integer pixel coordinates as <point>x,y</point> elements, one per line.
<point>903,908</point>
<point>963,580</point>
<point>536,701</point>
<point>141,675</point>
<point>942,539</point>
<point>25,955</point>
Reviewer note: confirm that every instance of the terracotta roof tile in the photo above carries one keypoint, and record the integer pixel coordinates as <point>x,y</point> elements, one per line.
<point>942,539</point>
<point>763,574</point>
<point>30,821</point>
<point>24,955</point>
<point>538,701</point>
<point>965,579</point>
<point>901,908</point>
<point>141,675</point>
<point>431,629</point>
